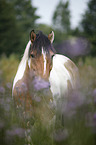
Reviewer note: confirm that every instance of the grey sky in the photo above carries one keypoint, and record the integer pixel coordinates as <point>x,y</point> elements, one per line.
<point>47,7</point>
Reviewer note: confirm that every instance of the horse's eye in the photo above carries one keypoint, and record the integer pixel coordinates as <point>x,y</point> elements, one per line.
<point>32,55</point>
<point>52,56</point>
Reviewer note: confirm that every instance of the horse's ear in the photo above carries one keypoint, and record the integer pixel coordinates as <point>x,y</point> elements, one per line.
<point>32,36</point>
<point>51,36</point>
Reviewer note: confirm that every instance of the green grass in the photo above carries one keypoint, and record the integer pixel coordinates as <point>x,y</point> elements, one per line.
<point>79,118</point>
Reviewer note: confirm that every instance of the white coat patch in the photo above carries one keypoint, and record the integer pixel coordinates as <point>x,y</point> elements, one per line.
<point>59,76</point>
<point>44,57</point>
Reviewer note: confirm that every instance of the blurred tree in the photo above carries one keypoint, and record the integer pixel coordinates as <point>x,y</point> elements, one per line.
<point>89,24</point>
<point>25,14</point>
<point>17,18</point>
<point>26,18</point>
<point>9,38</point>
<point>76,32</point>
<point>61,17</point>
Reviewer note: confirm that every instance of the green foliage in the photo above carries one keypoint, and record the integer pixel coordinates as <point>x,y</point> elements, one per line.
<point>89,24</point>
<point>87,72</point>
<point>17,19</point>
<point>8,68</point>
<point>9,38</point>
<point>25,14</point>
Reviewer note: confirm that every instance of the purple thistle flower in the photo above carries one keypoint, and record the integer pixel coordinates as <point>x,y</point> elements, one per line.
<point>88,119</point>
<point>1,72</point>
<point>94,95</point>
<point>1,125</point>
<point>60,135</point>
<point>91,119</point>
<point>8,100</point>
<point>94,117</point>
<point>74,47</point>
<point>24,87</point>
<point>7,107</point>
<point>94,92</point>
<point>2,101</point>
<point>37,99</point>
<point>20,132</point>
<point>8,85</point>
<point>2,90</point>
<point>40,84</point>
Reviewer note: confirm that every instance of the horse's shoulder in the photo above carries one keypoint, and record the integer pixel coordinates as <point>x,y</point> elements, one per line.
<point>62,63</point>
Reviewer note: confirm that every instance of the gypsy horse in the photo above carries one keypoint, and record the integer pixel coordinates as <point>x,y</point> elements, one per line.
<point>42,70</point>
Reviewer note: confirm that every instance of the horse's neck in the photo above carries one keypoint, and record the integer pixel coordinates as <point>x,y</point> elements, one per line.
<point>64,76</point>
<point>22,66</point>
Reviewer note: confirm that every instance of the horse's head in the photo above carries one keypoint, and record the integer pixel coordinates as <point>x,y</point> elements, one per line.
<point>41,54</point>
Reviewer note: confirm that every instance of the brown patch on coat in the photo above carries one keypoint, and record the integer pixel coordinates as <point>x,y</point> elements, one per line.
<point>69,85</point>
<point>73,72</point>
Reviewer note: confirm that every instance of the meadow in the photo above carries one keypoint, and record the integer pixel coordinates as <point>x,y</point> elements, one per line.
<point>79,117</point>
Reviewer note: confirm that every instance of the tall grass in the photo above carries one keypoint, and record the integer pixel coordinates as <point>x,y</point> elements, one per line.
<point>79,126</point>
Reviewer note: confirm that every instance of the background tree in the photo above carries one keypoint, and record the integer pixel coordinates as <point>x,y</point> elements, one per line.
<point>26,18</point>
<point>61,20</point>
<point>25,14</point>
<point>17,19</point>
<point>61,17</point>
<point>9,38</point>
<point>89,25</point>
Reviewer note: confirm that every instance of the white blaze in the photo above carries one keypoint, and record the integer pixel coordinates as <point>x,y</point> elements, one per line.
<point>44,57</point>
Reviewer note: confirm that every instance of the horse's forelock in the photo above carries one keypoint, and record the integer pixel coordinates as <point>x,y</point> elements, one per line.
<point>42,41</point>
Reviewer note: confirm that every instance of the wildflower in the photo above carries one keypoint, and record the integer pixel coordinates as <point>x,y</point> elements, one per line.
<point>94,95</point>
<point>60,135</point>
<point>7,107</point>
<point>94,92</point>
<point>37,99</point>
<point>1,72</point>
<point>40,84</point>
<point>1,125</point>
<point>8,85</point>
<point>16,132</point>
<point>90,119</point>
<point>8,100</point>
<point>24,86</point>
<point>94,118</point>
<point>2,90</point>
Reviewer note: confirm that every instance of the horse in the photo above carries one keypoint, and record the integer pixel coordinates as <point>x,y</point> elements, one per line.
<point>42,69</point>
